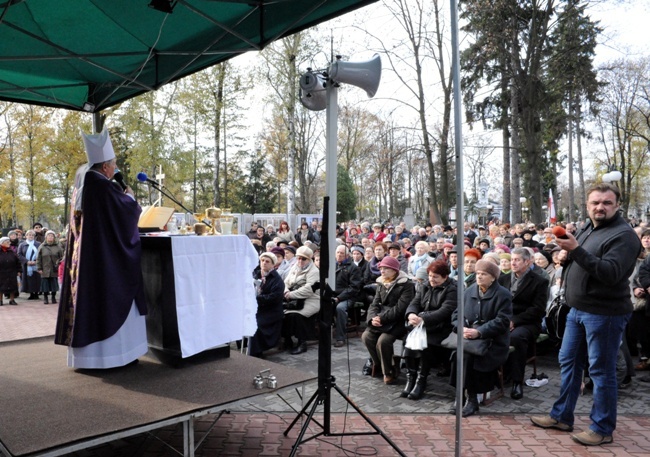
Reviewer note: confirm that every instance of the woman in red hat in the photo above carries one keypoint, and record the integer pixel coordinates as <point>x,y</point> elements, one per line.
<point>386,317</point>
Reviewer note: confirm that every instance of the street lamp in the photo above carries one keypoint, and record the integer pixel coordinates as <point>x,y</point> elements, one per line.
<point>612,176</point>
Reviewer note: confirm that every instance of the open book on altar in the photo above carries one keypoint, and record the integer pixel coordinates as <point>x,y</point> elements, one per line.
<point>154,218</point>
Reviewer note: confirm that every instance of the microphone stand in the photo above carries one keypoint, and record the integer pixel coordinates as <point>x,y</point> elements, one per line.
<point>166,194</point>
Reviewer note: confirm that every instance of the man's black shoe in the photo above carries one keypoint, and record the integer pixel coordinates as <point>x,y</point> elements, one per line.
<point>517,391</point>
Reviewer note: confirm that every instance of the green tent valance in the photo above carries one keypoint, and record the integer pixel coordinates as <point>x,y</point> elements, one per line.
<point>89,55</point>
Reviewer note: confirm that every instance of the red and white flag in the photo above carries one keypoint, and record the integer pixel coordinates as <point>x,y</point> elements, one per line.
<point>551,208</point>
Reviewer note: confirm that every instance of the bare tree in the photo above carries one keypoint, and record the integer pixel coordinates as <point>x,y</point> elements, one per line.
<point>423,27</point>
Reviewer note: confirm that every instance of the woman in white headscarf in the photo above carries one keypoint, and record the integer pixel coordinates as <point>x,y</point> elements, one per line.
<point>421,259</point>
<point>301,301</point>
<point>31,279</point>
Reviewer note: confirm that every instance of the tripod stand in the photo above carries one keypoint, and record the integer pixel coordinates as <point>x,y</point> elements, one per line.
<point>327,382</point>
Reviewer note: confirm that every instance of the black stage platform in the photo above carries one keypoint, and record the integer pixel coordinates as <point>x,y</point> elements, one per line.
<point>49,409</point>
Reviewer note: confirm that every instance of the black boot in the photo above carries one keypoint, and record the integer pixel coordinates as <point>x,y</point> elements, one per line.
<point>420,386</point>
<point>411,375</point>
<point>45,302</point>
<point>54,299</point>
<point>302,347</point>
<point>471,407</point>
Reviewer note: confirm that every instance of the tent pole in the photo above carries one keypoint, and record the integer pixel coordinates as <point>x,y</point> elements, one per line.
<point>98,122</point>
<point>460,217</point>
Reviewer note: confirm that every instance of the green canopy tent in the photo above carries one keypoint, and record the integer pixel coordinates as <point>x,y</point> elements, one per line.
<point>91,54</point>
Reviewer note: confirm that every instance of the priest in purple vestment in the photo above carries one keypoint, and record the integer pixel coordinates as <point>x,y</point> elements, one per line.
<point>101,312</point>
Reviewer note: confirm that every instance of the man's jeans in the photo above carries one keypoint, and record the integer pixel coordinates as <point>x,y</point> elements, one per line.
<point>341,320</point>
<point>597,338</point>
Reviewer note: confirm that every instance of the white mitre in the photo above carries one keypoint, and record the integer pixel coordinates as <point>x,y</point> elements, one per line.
<point>98,147</point>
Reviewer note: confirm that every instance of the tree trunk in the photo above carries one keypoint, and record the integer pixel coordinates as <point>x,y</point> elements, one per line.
<point>12,172</point>
<point>219,96</point>
<point>291,161</point>
<point>571,217</point>
<point>505,135</point>
<point>581,171</point>
<point>515,174</point>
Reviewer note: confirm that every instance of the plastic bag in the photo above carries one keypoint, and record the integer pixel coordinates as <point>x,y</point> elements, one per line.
<point>417,339</point>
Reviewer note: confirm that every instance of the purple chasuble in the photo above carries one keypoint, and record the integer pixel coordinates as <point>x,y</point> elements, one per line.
<point>104,275</point>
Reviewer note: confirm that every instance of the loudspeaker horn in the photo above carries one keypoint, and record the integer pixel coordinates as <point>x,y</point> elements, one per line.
<point>313,93</point>
<point>365,75</point>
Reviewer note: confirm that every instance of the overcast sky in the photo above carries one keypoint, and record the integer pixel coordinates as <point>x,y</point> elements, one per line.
<point>625,22</point>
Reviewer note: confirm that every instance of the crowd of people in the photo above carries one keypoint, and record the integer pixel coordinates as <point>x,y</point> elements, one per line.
<point>405,278</point>
<point>31,263</point>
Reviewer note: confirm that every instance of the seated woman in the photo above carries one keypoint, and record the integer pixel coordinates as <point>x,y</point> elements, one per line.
<point>270,294</point>
<point>371,273</point>
<point>386,316</point>
<point>421,258</point>
<point>285,233</point>
<point>433,304</point>
<point>488,310</point>
<point>298,286</point>
<point>304,234</point>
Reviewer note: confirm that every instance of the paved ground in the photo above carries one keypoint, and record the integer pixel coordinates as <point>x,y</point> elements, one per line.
<point>419,428</point>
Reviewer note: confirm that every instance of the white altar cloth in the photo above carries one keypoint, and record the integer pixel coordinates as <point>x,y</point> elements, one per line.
<point>215,296</point>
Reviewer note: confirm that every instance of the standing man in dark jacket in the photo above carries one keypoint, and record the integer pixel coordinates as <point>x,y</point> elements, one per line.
<point>601,260</point>
<point>529,295</point>
<point>349,281</point>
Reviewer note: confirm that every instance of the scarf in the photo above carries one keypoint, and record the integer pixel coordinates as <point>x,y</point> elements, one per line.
<point>418,261</point>
<point>4,248</point>
<point>374,269</point>
<point>31,255</point>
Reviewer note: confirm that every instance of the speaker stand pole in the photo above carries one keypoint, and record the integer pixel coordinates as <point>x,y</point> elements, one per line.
<point>325,399</point>
<point>326,381</point>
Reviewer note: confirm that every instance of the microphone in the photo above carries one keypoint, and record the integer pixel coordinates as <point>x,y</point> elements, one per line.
<point>559,232</point>
<point>142,177</point>
<point>119,179</point>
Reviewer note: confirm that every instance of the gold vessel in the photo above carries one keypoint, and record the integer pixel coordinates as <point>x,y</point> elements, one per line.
<point>200,229</point>
<point>213,214</point>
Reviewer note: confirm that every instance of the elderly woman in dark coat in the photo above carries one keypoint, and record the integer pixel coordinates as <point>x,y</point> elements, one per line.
<point>9,270</point>
<point>270,292</point>
<point>386,316</point>
<point>47,263</point>
<point>488,310</point>
<point>433,305</point>
<point>27,251</point>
